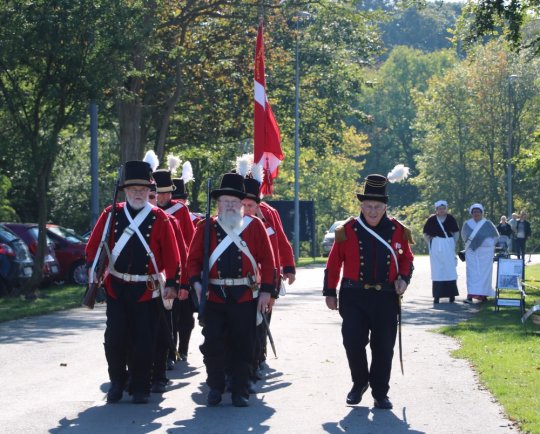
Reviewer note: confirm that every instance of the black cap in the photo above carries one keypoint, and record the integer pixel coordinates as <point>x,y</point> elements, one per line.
<point>137,173</point>
<point>180,192</point>
<point>374,189</point>
<point>232,184</point>
<point>163,181</point>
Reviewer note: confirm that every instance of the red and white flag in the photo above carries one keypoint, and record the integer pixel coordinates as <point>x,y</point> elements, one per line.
<point>266,139</point>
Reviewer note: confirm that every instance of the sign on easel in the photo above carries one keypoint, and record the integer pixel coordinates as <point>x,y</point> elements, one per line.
<point>509,278</point>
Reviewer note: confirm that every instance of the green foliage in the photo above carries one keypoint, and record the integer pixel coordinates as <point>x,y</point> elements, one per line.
<point>7,213</point>
<point>462,130</point>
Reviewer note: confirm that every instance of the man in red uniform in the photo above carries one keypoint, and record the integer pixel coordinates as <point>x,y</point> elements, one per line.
<point>280,247</point>
<point>165,187</point>
<point>238,261</point>
<point>374,254</point>
<point>143,259</point>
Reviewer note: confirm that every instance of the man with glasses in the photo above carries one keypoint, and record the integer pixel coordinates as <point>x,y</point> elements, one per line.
<point>241,280</point>
<point>372,250</point>
<point>142,258</point>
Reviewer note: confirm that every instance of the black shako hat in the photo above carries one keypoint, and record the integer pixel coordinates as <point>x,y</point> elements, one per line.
<point>232,184</point>
<point>180,192</point>
<point>253,188</point>
<point>137,173</point>
<point>374,189</point>
<point>163,181</point>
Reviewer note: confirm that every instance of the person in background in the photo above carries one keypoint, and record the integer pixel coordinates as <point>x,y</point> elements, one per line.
<point>441,233</point>
<point>505,233</point>
<point>523,231</point>
<point>480,236</point>
<point>513,224</point>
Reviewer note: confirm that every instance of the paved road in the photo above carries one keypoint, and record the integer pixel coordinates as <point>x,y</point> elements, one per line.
<point>54,377</point>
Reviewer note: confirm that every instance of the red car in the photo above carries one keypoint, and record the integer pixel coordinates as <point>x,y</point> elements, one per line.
<point>69,248</point>
<point>28,232</point>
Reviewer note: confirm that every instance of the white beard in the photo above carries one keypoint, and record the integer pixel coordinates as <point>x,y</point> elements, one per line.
<point>231,219</point>
<point>136,206</point>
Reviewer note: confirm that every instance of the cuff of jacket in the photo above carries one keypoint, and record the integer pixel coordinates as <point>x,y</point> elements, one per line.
<point>329,292</point>
<point>171,282</point>
<point>406,279</point>
<point>184,286</point>
<point>194,279</point>
<point>289,270</point>
<point>267,287</point>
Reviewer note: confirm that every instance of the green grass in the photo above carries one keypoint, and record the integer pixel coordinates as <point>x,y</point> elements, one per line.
<point>50,299</point>
<point>311,261</point>
<point>506,355</point>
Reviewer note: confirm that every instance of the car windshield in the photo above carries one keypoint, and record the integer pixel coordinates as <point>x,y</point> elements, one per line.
<point>68,234</point>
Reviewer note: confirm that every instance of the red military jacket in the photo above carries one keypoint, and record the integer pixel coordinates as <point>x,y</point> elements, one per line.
<point>161,240</point>
<point>361,257</point>
<point>256,238</point>
<point>285,254</point>
<point>182,250</point>
<point>184,219</point>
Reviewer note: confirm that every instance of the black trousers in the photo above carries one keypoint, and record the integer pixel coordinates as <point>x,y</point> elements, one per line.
<point>369,316</point>
<point>229,328</point>
<point>164,336</point>
<point>520,247</point>
<point>184,323</point>
<point>130,336</point>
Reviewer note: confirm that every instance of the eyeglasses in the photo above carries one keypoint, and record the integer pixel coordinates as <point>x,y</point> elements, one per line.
<point>230,203</point>
<point>377,208</point>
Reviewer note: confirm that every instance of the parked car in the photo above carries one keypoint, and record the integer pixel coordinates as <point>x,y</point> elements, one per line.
<point>69,248</point>
<point>15,261</point>
<point>328,239</point>
<point>28,232</point>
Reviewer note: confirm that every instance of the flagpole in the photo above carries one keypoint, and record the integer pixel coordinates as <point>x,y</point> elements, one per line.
<point>296,226</point>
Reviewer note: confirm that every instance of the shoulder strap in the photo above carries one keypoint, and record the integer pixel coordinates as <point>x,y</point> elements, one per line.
<point>474,232</point>
<point>442,227</point>
<point>241,244</point>
<point>174,208</point>
<point>381,240</point>
<point>225,242</point>
<point>130,229</point>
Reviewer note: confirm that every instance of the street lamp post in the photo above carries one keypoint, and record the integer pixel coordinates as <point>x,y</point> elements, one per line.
<point>296,226</point>
<point>510,169</point>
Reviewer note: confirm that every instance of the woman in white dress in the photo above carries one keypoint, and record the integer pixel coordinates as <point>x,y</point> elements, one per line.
<point>480,236</point>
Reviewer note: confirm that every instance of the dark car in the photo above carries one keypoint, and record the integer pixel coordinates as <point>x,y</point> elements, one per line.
<point>328,239</point>
<point>69,248</point>
<point>15,261</point>
<point>28,232</point>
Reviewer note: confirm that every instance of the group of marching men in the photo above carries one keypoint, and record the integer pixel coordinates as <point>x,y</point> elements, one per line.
<point>155,250</point>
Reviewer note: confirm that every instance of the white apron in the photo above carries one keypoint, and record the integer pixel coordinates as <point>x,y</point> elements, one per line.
<point>442,258</point>
<point>480,269</point>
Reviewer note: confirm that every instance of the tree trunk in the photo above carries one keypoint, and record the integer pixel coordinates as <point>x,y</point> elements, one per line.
<point>129,116</point>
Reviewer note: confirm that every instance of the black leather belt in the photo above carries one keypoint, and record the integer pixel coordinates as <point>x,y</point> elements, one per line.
<point>359,284</point>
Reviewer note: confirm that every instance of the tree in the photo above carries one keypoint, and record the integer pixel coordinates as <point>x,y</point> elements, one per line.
<point>463,128</point>
<point>53,58</point>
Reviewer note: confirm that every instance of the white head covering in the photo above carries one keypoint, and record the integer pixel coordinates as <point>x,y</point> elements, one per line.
<point>441,203</point>
<point>476,205</point>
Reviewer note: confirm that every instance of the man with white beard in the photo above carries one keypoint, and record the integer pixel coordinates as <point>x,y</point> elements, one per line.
<point>241,279</point>
<point>142,257</point>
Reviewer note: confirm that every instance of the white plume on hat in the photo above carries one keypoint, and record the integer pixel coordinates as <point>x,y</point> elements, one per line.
<point>257,171</point>
<point>398,173</point>
<point>152,159</point>
<point>173,163</point>
<point>187,172</point>
<point>243,164</point>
